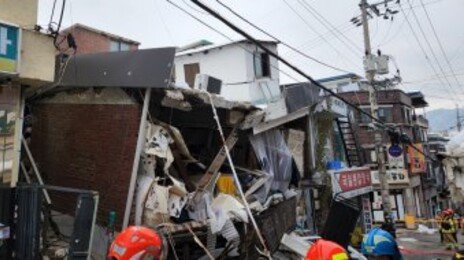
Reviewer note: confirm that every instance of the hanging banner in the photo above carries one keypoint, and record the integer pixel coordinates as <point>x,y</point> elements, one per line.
<point>351,182</point>
<point>9,48</point>
<point>416,159</point>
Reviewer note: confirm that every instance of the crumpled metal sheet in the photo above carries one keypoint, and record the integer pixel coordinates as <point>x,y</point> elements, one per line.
<point>148,68</point>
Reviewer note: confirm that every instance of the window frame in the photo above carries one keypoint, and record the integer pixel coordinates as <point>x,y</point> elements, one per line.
<point>264,61</point>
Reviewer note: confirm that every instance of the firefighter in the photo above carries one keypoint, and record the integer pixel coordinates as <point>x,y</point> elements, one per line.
<point>137,243</point>
<point>438,219</point>
<point>326,250</point>
<point>380,244</point>
<point>448,227</point>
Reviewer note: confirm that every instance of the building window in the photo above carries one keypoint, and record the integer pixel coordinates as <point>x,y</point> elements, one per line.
<point>119,46</point>
<point>406,112</point>
<point>363,118</point>
<point>191,70</point>
<point>385,114</point>
<point>262,65</point>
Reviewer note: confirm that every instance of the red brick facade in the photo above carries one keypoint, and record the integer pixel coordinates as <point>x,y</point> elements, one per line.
<point>395,98</point>
<point>88,146</point>
<point>90,40</point>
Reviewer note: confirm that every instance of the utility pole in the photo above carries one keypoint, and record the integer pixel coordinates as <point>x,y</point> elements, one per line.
<point>369,64</point>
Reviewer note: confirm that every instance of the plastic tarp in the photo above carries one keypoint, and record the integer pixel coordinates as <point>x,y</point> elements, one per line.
<point>275,159</point>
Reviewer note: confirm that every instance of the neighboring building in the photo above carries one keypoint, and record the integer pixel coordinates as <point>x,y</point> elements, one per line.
<point>395,109</point>
<point>247,73</point>
<point>341,83</point>
<point>437,147</point>
<point>419,163</point>
<point>27,61</point>
<point>92,40</point>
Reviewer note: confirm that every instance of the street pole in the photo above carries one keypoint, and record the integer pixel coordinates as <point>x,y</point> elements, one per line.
<point>374,108</point>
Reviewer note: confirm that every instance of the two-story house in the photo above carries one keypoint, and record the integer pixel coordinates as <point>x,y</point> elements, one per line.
<point>247,73</point>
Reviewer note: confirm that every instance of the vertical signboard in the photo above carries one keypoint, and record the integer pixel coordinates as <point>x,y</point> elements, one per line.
<point>417,162</point>
<point>366,213</point>
<point>9,48</point>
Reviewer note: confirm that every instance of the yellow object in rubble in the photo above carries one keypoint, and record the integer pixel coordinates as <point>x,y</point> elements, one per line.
<point>357,236</point>
<point>225,184</point>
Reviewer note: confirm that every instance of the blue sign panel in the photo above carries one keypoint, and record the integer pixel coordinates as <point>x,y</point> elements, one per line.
<point>9,48</point>
<point>395,150</point>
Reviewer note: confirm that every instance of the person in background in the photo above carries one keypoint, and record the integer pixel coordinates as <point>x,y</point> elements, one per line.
<point>389,225</point>
<point>448,227</point>
<point>438,219</point>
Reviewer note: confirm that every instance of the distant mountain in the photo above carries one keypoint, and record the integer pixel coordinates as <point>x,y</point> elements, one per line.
<point>442,119</point>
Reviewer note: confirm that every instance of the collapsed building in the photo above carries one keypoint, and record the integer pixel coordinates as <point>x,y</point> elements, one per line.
<point>205,171</point>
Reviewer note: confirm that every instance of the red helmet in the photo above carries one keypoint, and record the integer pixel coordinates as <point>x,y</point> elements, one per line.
<point>136,242</point>
<point>449,212</point>
<point>326,250</point>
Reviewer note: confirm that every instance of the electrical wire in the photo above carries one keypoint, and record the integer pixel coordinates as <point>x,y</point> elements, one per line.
<point>160,15</point>
<point>312,29</point>
<point>439,43</point>
<point>326,23</point>
<point>225,36</point>
<point>299,71</point>
<point>428,43</point>
<point>52,14</point>
<point>280,41</point>
<point>395,34</point>
<point>429,62</point>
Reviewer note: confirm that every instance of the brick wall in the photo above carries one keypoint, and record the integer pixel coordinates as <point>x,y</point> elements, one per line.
<point>89,41</point>
<point>383,97</point>
<point>88,146</point>
<point>397,98</point>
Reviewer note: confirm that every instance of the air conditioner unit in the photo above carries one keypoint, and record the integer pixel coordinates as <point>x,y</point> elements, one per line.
<point>208,83</point>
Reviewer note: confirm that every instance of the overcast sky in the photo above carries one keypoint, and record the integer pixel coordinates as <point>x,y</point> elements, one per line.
<point>157,23</point>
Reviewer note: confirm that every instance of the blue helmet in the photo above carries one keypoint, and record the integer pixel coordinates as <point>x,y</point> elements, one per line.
<point>379,242</point>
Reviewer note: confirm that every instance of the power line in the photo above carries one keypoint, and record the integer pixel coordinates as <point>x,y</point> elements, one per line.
<point>327,24</point>
<point>299,71</point>
<point>429,62</point>
<point>384,41</point>
<point>428,43</point>
<point>308,24</point>
<point>225,36</point>
<point>280,41</point>
<point>316,41</point>
<point>439,43</point>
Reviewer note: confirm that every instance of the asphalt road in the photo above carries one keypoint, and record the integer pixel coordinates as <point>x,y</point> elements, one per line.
<point>422,246</point>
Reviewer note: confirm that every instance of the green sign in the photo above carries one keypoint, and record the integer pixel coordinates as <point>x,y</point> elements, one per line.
<point>9,48</point>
